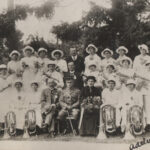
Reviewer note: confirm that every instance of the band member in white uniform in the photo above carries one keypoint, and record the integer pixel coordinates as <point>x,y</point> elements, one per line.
<point>53,74</point>
<point>14,66</point>
<point>130,96</point>
<point>33,101</point>
<point>107,55</point>
<point>29,65</point>
<point>42,58</point>
<point>61,64</point>
<point>144,77</point>
<point>92,57</point>
<point>141,59</point>
<point>125,72</point>
<point>4,92</point>
<point>111,96</point>
<point>18,103</point>
<point>121,51</point>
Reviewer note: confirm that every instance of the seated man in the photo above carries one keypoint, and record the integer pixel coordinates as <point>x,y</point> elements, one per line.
<point>111,96</point>
<point>90,104</point>
<point>130,97</point>
<point>49,105</point>
<point>69,100</point>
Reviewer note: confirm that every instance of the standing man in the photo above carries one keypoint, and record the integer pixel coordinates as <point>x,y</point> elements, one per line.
<point>78,60</point>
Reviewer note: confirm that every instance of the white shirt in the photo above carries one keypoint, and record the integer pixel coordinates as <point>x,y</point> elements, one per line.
<point>55,75</point>
<point>14,66</point>
<point>111,97</point>
<point>139,62</point>
<point>62,64</point>
<point>106,62</point>
<point>94,59</point>
<point>30,61</point>
<point>132,97</point>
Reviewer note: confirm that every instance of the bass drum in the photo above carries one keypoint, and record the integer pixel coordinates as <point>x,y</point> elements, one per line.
<point>136,120</point>
<point>10,123</point>
<point>30,121</point>
<point>109,118</point>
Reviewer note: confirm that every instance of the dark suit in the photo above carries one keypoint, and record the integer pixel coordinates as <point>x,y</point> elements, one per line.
<point>78,82</point>
<point>79,63</point>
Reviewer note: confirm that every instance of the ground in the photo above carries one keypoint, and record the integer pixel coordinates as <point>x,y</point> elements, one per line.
<point>70,142</point>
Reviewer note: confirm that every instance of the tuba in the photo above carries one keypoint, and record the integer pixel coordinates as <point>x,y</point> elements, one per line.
<point>109,118</point>
<point>10,125</point>
<point>30,123</point>
<point>136,120</point>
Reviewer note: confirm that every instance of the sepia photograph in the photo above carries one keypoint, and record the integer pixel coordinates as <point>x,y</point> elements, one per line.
<point>74,74</point>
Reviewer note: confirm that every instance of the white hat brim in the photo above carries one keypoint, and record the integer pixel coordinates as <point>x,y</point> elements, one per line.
<point>106,50</point>
<point>123,48</point>
<point>91,45</point>
<point>42,49</point>
<point>14,52</point>
<point>55,51</point>
<point>28,48</point>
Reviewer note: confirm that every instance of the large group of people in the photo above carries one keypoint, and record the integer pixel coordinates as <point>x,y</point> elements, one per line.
<point>73,88</point>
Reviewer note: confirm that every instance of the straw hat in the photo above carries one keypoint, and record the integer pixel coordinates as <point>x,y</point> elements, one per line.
<point>106,50</point>
<point>91,45</point>
<point>122,48</point>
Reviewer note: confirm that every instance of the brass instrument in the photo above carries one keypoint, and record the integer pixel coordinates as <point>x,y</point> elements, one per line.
<point>136,120</point>
<point>30,124</point>
<point>109,118</point>
<point>135,124</point>
<point>10,125</point>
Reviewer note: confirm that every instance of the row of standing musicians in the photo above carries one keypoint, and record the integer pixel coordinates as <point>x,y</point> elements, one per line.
<point>58,88</point>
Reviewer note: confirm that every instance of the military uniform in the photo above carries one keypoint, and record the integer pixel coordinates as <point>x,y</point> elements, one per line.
<point>69,102</point>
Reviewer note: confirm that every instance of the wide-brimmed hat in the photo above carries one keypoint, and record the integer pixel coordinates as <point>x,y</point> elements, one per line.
<point>143,46</point>
<point>92,64</point>
<point>57,51</point>
<point>50,62</point>
<point>14,52</point>
<point>34,82</point>
<point>110,64</point>
<point>28,48</point>
<point>130,81</point>
<point>42,49</point>
<point>106,50</point>
<point>3,66</point>
<point>122,48</point>
<point>50,80</point>
<point>111,79</point>
<point>91,45</point>
<point>68,78</point>
<point>91,77</point>
<point>128,59</point>
<point>18,81</point>
<point>148,62</point>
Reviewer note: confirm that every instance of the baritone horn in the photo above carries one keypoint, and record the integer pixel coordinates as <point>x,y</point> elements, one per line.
<point>10,125</point>
<point>30,124</point>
